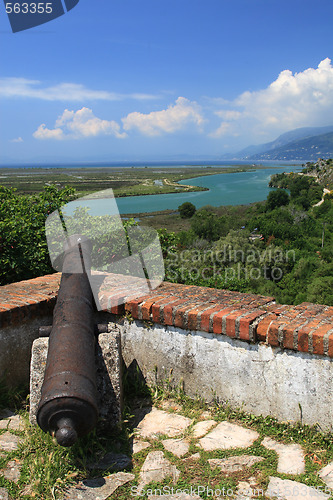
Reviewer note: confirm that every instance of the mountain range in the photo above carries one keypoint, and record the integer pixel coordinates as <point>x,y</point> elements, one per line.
<point>307,143</point>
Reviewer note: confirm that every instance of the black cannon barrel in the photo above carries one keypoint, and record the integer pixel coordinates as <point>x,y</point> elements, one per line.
<point>68,406</point>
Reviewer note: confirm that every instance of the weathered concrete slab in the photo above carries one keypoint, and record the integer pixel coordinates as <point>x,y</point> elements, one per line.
<point>99,488</point>
<point>159,422</point>
<point>4,494</point>
<point>234,464</point>
<point>285,489</point>
<point>246,490</point>
<point>139,446</point>
<point>226,436</point>
<point>326,474</point>
<point>9,442</point>
<point>178,447</point>
<point>108,378</point>
<point>156,468</point>
<point>200,429</point>
<point>12,471</point>
<point>12,423</point>
<point>291,456</point>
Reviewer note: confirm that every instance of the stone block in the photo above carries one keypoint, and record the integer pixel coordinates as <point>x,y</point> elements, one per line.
<point>108,378</point>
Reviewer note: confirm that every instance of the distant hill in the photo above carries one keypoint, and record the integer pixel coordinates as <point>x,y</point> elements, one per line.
<point>255,152</point>
<point>310,148</point>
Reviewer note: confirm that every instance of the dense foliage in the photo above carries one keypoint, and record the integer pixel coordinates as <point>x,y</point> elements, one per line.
<point>186,210</point>
<point>23,248</point>
<point>283,248</point>
<point>24,252</point>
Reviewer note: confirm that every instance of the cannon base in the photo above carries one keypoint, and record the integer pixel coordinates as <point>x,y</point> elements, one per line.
<point>108,372</point>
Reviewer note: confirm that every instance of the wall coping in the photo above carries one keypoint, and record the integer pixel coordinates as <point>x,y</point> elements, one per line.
<point>250,318</point>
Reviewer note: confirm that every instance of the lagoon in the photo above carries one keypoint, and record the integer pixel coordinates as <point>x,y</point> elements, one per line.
<point>224,189</point>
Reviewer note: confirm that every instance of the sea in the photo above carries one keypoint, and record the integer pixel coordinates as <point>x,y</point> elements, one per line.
<point>223,189</point>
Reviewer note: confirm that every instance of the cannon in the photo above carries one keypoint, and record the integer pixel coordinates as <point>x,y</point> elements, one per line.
<point>68,405</point>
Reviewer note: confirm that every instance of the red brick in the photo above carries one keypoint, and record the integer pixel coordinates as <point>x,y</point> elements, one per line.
<point>192,315</point>
<point>277,309</point>
<point>245,322</point>
<point>231,323</point>
<point>308,327</point>
<point>318,338</point>
<point>132,306</point>
<point>168,310</point>
<point>118,308</point>
<point>157,309</point>
<point>114,302</point>
<point>147,306</point>
<point>303,341</point>
<point>263,326</point>
<point>218,317</point>
<point>273,332</point>
<point>180,320</point>
<point>330,345</point>
<point>288,333</point>
<point>206,315</point>
<point>328,314</point>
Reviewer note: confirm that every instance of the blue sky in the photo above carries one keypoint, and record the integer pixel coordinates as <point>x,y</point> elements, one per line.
<point>128,80</point>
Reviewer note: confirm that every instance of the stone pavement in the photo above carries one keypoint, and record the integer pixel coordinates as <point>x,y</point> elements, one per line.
<point>176,437</point>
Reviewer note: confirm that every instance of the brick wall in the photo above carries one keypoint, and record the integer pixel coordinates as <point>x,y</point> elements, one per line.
<point>247,317</point>
<point>266,358</point>
<point>26,300</point>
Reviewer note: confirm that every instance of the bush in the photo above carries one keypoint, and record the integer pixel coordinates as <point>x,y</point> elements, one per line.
<point>23,248</point>
<point>277,198</point>
<point>187,210</point>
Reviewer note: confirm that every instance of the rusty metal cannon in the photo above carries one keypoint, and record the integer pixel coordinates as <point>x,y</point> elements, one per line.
<point>68,405</point>
<point>126,265</point>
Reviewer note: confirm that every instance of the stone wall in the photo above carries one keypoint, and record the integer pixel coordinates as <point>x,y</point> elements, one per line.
<point>245,349</point>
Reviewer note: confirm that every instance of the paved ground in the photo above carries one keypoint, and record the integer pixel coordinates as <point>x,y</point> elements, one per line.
<point>179,436</point>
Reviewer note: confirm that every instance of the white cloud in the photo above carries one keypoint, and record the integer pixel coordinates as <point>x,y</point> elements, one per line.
<point>45,133</point>
<point>22,87</point>
<point>17,139</point>
<point>172,119</point>
<point>78,124</point>
<point>291,101</point>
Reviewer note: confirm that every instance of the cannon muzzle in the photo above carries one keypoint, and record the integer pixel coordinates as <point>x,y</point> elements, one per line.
<point>68,406</point>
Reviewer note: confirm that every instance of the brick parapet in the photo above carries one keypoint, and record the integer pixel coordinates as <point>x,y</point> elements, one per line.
<point>247,317</point>
<point>28,299</point>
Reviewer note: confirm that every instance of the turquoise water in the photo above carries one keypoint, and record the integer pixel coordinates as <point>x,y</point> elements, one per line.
<point>224,189</point>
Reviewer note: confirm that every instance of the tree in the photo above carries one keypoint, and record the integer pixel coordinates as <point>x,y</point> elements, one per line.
<point>187,210</point>
<point>277,198</point>
<point>207,226</point>
<point>23,247</point>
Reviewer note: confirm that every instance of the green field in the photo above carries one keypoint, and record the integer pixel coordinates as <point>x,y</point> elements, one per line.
<point>125,181</point>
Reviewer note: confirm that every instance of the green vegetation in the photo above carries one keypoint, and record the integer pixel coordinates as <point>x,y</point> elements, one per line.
<point>186,210</point>
<point>23,248</point>
<point>282,247</point>
<point>125,181</point>
<point>277,198</point>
